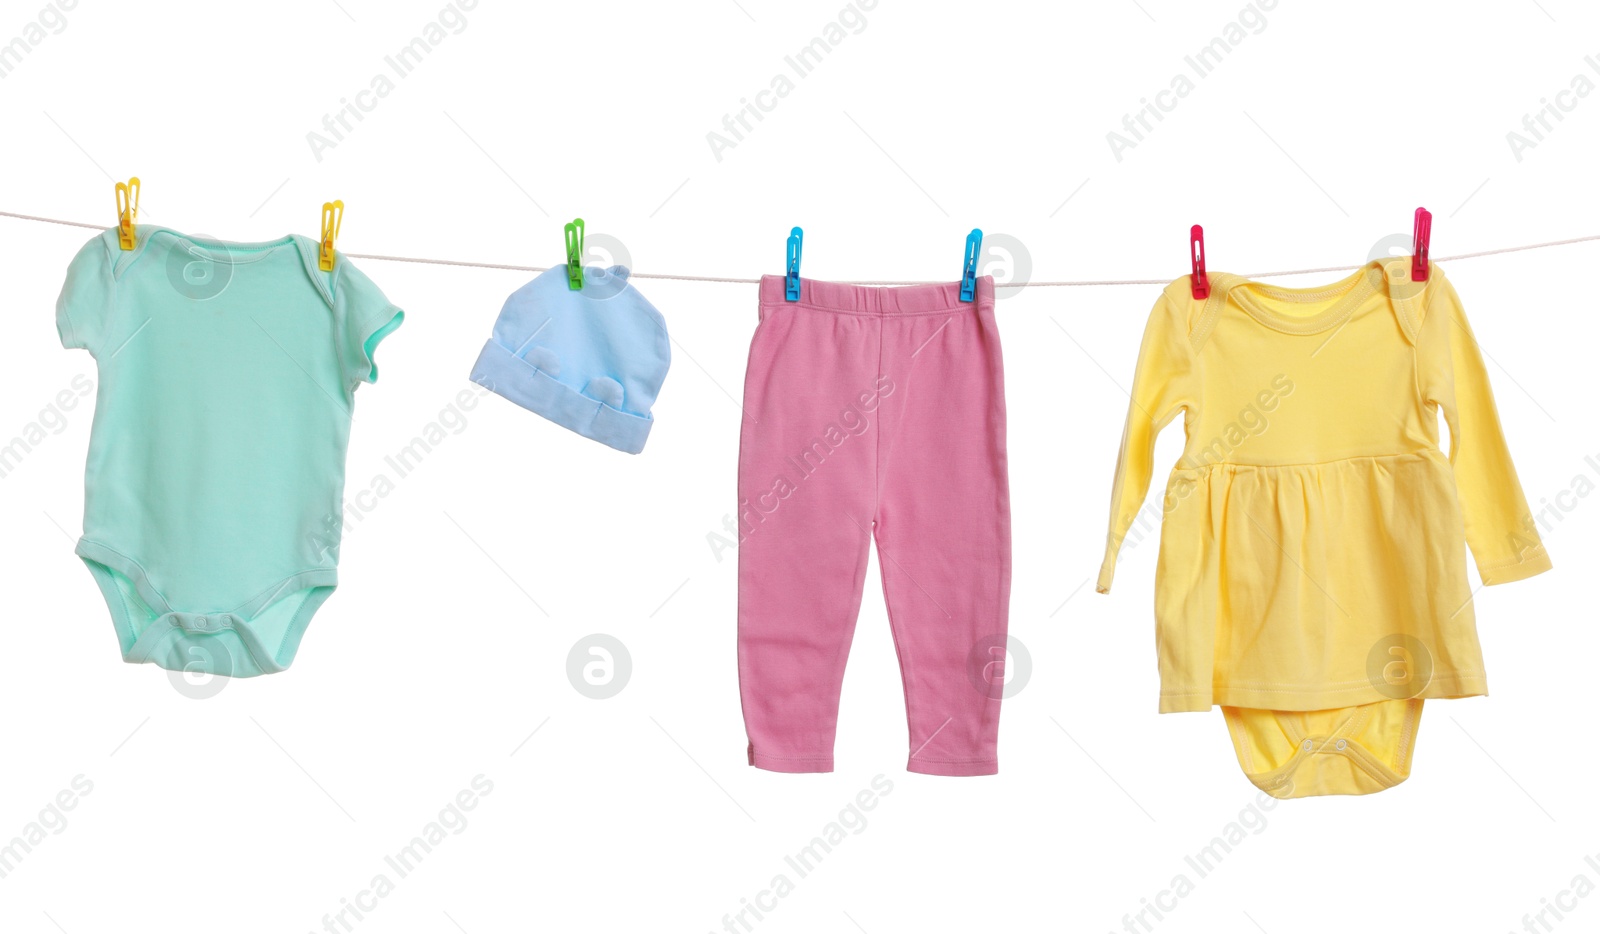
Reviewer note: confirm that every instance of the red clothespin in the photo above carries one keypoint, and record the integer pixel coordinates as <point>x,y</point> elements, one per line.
<point>1197,255</point>
<point>1421,233</point>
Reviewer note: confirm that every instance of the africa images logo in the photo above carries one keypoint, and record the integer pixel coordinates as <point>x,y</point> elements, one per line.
<point>1399,666</point>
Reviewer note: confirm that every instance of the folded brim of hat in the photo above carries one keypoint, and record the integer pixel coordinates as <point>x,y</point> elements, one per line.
<point>508,375</point>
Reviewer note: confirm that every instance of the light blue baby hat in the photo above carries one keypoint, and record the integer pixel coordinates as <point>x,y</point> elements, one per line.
<point>591,360</point>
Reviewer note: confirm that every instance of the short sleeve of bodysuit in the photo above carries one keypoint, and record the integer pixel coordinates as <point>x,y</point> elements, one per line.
<point>363,317</point>
<point>83,310</point>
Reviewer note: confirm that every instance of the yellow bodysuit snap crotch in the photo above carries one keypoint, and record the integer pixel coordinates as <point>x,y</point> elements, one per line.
<point>1342,751</point>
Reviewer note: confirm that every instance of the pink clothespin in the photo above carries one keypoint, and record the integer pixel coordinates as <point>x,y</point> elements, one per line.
<point>1421,233</point>
<point>1197,256</point>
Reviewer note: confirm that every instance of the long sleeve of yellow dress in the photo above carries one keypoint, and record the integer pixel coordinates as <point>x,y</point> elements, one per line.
<point>1161,389</point>
<point>1499,527</point>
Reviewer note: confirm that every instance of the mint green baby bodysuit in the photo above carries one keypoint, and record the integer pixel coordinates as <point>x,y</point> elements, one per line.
<point>214,488</point>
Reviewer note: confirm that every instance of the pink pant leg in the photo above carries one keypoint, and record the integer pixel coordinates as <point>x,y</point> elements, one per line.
<point>872,412</point>
<point>944,531</point>
<point>807,459</point>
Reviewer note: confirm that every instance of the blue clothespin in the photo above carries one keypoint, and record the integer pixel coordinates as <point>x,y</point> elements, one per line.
<point>574,238</point>
<point>791,278</point>
<point>969,271</point>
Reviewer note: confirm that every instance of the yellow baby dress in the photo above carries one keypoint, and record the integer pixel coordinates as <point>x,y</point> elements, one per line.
<point>1312,573</point>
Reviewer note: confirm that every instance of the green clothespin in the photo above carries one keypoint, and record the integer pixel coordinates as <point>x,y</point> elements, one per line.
<point>574,233</point>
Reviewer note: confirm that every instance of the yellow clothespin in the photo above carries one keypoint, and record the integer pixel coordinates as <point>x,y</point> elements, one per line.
<point>128,212</point>
<point>332,215</point>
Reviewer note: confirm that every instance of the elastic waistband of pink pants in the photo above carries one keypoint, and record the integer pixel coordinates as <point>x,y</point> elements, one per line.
<point>879,300</point>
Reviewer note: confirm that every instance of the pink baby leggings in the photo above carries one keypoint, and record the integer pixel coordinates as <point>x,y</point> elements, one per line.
<point>874,414</point>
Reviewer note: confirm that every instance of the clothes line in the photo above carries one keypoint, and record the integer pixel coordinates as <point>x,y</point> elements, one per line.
<point>471,264</point>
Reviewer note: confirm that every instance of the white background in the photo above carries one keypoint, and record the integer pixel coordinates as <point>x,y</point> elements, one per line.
<point>263,807</point>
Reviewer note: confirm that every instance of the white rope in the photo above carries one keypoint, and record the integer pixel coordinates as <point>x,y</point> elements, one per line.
<point>1032,285</point>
